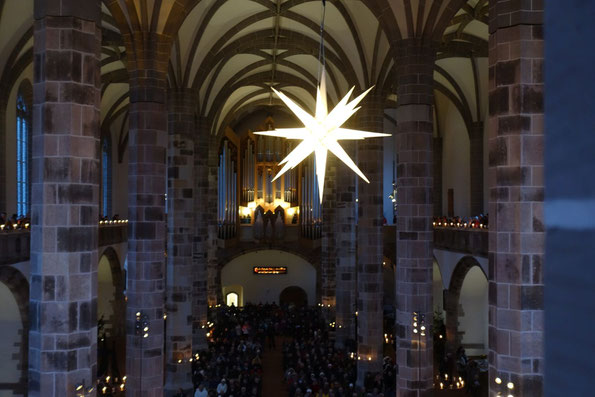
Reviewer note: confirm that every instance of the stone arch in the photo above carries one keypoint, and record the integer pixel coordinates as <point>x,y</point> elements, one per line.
<point>117,342</point>
<point>453,297</point>
<point>438,286</point>
<point>19,286</point>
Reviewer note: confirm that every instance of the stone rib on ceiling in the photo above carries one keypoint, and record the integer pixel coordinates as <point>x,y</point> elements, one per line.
<point>222,44</point>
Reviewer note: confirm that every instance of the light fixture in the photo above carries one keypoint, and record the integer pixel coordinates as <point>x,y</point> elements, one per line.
<point>321,133</point>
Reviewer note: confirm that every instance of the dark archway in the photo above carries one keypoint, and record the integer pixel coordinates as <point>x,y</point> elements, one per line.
<point>453,300</point>
<point>18,285</point>
<point>293,296</point>
<point>111,351</point>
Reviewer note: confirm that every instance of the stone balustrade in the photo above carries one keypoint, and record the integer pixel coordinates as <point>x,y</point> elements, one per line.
<point>473,241</point>
<point>15,244</point>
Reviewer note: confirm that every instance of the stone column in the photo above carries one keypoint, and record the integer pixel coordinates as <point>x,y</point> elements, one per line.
<point>214,292</point>
<point>437,147</point>
<point>65,210</point>
<point>516,240</point>
<point>369,239</point>
<point>180,220</point>
<point>414,216</point>
<point>201,234</point>
<point>329,241</point>
<point>147,145</point>
<point>345,237</point>
<point>476,168</point>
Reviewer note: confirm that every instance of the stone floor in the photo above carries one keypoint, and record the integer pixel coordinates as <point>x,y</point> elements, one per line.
<point>272,366</point>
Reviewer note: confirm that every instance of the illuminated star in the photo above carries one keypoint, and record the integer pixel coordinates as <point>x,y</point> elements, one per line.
<point>321,133</point>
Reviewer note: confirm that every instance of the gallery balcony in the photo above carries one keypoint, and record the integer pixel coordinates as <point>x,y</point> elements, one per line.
<point>15,244</point>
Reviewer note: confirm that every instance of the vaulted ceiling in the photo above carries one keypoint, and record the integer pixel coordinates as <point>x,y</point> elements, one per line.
<point>232,51</point>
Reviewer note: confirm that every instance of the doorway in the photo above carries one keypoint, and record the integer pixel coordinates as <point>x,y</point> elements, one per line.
<point>293,295</point>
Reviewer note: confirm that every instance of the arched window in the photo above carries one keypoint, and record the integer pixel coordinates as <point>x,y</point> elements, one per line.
<point>23,156</point>
<point>106,178</point>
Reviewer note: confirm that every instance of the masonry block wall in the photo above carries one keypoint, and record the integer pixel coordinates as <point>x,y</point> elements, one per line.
<point>369,241</point>
<point>516,236</point>
<point>329,238</point>
<point>147,145</point>
<point>180,219</point>
<point>63,304</point>
<point>345,265</point>
<point>414,216</point>
<point>201,239</point>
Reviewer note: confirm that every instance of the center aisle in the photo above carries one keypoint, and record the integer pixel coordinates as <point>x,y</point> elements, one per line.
<point>272,365</point>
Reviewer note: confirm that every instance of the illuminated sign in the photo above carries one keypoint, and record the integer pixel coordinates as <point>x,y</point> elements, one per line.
<point>269,269</point>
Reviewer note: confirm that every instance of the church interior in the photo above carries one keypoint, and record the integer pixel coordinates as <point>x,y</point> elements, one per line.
<point>296,198</point>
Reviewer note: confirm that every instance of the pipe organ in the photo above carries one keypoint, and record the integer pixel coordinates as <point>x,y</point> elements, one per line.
<point>310,201</point>
<point>228,197</point>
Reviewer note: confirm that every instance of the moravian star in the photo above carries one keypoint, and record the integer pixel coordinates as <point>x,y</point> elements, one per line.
<point>321,132</point>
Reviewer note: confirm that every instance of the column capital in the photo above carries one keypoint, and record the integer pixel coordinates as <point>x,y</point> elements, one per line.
<point>415,72</point>
<point>182,96</point>
<point>502,15</point>
<point>89,10</point>
<point>148,56</point>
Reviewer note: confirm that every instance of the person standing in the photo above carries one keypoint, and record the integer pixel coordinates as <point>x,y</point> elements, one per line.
<point>201,391</point>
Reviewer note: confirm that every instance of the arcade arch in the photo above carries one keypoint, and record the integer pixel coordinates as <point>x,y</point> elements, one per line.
<point>467,308</point>
<point>111,309</point>
<point>14,323</point>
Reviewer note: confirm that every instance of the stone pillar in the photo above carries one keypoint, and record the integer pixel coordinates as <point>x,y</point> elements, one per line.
<point>214,292</point>
<point>201,234</point>
<point>437,147</point>
<point>516,240</point>
<point>180,220</point>
<point>147,145</point>
<point>345,235</point>
<point>329,241</point>
<point>569,198</point>
<point>65,210</point>
<point>476,168</point>
<point>369,238</point>
<point>414,216</point>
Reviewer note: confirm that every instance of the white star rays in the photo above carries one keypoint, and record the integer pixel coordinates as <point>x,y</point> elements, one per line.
<point>321,133</point>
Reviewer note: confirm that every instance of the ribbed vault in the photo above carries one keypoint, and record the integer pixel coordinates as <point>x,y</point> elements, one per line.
<point>233,51</point>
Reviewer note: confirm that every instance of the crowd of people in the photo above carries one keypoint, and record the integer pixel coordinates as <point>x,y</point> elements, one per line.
<point>14,222</point>
<point>232,366</point>
<point>313,366</point>
<point>473,222</point>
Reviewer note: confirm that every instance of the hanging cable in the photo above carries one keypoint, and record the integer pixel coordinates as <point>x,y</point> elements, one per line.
<point>321,56</point>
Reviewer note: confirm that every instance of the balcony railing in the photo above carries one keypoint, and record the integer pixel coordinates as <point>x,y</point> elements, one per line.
<point>15,245</point>
<point>473,241</point>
